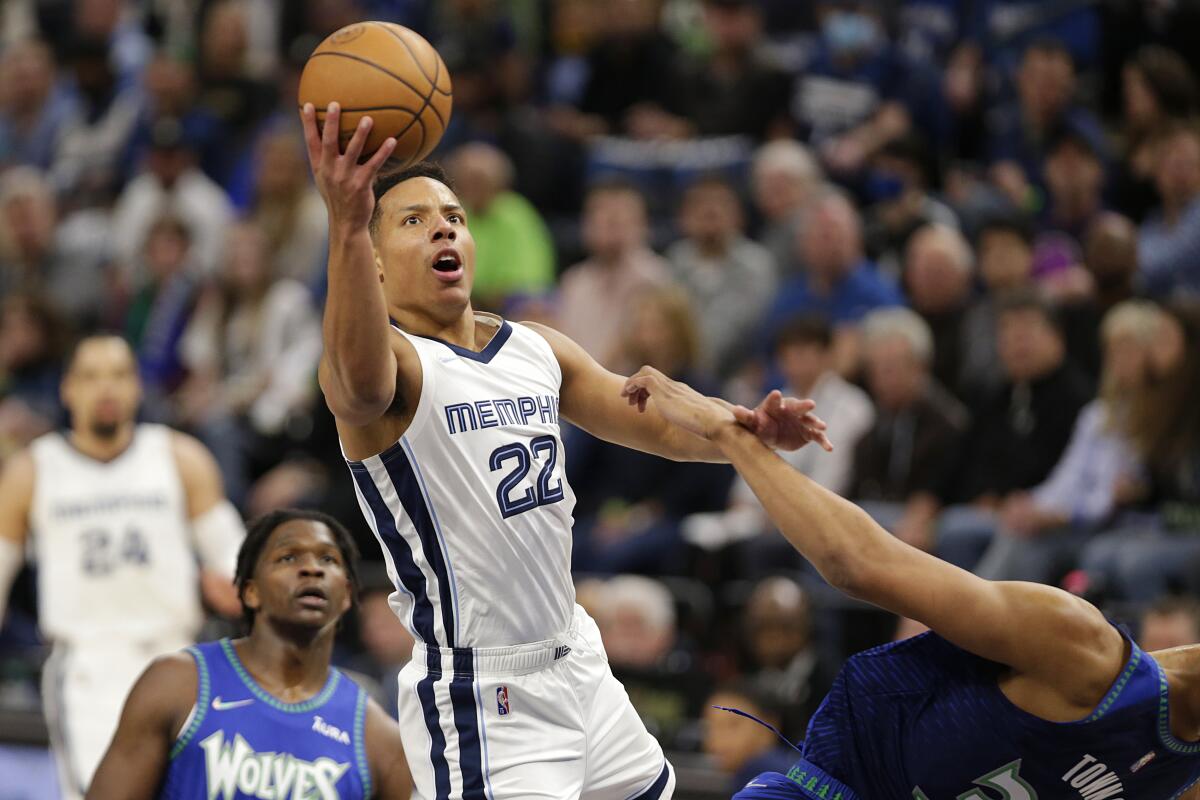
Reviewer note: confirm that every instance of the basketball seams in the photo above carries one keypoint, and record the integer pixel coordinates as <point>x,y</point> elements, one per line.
<point>426,139</point>
<point>437,63</point>
<point>437,66</point>
<point>369,63</point>
<point>347,109</point>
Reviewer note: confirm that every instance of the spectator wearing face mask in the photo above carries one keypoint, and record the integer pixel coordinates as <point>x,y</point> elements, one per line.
<point>858,92</point>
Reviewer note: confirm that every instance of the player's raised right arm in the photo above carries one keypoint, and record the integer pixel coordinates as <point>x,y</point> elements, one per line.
<point>358,369</point>
<point>16,497</point>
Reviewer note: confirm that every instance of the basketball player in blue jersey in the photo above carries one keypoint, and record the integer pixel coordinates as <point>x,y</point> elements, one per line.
<point>449,420</point>
<point>1019,691</point>
<point>263,716</point>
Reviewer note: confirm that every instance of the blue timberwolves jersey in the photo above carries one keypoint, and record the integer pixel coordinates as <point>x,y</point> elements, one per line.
<point>923,719</point>
<point>242,742</point>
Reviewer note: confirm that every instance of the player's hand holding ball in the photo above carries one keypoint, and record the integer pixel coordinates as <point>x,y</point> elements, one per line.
<point>370,92</point>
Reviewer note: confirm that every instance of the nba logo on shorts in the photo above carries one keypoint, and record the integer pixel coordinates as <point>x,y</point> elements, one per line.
<point>502,701</point>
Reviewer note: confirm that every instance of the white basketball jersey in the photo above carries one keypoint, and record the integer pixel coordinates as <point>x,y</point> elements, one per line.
<point>471,507</point>
<point>112,542</point>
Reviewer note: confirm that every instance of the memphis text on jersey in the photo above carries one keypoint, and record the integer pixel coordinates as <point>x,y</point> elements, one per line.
<point>501,412</point>
<point>234,767</point>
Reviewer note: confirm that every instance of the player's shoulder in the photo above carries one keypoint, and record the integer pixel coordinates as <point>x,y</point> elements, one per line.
<point>169,682</point>
<point>188,452</point>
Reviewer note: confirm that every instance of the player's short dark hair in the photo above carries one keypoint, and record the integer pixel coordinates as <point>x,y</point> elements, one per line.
<point>810,329</point>
<point>96,336</point>
<point>386,180</point>
<point>259,532</point>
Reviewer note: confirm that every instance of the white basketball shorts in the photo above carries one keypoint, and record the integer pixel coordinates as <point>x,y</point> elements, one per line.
<point>541,720</point>
<point>83,690</point>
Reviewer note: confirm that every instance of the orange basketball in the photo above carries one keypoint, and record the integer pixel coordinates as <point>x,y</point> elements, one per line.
<point>387,72</point>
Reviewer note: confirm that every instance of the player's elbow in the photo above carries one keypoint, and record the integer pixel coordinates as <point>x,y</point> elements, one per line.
<point>358,400</point>
<point>358,409</point>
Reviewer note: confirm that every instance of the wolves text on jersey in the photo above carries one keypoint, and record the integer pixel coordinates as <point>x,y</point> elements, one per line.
<point>236,767</point>
<point>501,412</point>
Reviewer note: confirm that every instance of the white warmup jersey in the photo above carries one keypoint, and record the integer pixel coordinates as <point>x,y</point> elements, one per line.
<point>112,542</point>
<point>471,506</point>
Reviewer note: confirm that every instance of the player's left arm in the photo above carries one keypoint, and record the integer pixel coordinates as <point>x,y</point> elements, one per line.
<point>385,756</point>
<point>217,528</point>
<point>591,398</point>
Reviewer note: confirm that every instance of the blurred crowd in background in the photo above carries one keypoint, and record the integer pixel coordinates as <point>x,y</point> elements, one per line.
<point>969,229</point>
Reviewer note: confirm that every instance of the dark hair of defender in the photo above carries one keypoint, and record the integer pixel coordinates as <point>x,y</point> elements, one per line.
<point>259,532</point>
<point>385,181</point>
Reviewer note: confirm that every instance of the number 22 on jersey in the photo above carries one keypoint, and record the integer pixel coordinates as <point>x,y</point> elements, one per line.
<point>520,461</point>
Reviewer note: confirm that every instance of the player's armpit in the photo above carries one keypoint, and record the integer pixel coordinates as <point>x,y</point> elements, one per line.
<point>137,758</point>
<point>385,755</point>
<point>591,398</point>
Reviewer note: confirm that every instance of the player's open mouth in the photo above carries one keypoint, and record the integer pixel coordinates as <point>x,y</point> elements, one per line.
<point>447,265</point>
<point>313,597</point>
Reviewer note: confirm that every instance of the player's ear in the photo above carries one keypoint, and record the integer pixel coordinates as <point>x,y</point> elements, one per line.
<point>378,265</point>
<point>250,597</point>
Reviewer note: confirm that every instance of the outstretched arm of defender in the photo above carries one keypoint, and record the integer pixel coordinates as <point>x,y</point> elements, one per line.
<point>358,369</point>
<point>136,760</point>
<point>591,399</point>
<point>1037,630</point>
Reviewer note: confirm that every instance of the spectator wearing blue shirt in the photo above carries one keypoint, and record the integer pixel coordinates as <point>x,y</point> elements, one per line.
<point>1169,240</point>
<point>839,281</point>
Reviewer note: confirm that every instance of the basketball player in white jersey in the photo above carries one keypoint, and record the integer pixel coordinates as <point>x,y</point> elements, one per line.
<point>450,422</point>
<point>118,513</point>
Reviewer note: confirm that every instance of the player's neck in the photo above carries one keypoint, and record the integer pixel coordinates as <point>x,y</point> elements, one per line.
<point>102,448</point>
<point>460,331</point>
<point>288,664</point>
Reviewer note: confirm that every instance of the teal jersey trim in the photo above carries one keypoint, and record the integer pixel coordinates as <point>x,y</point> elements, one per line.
<point>360,741</point>
<point>1118,687</point>
<point>274,702</point>
<point>203,690</point>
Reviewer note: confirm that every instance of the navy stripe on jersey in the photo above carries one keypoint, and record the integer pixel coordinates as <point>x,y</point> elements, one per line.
<point>462,697</point>
<point>485,355</point>
<point>437,739</point>
<point>410,575</point>
<point>404,480</point>
<point>655,790</point>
